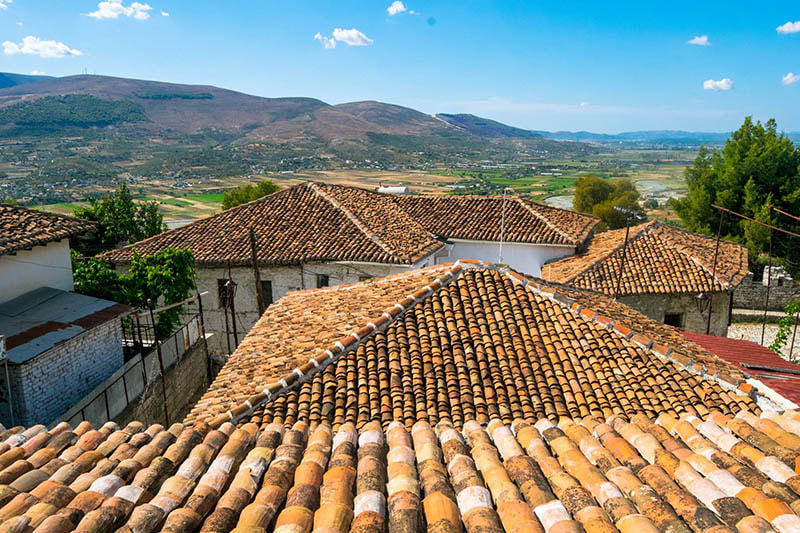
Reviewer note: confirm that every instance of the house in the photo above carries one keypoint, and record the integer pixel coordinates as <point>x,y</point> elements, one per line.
<point>57,345</point>
<point>460,397</point>
<point>315,235</point>
<point>666,273</point>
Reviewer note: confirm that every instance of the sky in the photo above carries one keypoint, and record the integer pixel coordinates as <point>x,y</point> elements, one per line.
<point>596,66</point>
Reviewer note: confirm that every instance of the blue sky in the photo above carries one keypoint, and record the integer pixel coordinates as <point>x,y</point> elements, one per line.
<point>598,66</point>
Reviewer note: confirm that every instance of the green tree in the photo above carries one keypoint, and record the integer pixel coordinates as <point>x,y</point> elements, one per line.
<point>614,203</point>
<point>165,277</point>
<point>121,220</point>
<point>757,168</point>
<point>248,193</point>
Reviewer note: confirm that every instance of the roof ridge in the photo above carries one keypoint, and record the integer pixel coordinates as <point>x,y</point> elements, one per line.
<point>541,217</point>
<point>352,218</point>
<point>596,264</point>
<point>724,283</point>
<point>345,345</point>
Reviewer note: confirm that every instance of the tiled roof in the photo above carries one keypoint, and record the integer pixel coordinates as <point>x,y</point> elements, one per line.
<point>482,218</point>
<point>22,228</point>
<point>306,223</point>
<point>751,357</point>
<point>659,259</point>
<point>479,400</point>
<point>318,222</point>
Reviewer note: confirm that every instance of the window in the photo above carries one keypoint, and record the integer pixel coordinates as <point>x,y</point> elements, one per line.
<point>673,319</point>
<point>222,293</point>
<point>323,280</point>
<point>266,292</point>
<point>364,278</point>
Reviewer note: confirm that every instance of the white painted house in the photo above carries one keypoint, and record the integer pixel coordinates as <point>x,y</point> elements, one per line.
<point>313,235</point>
<point>57,345</point>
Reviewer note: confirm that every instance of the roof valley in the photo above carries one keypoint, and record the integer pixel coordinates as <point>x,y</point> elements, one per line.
<point>545,220</point>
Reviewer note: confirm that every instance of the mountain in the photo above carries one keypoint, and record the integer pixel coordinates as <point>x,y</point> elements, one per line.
<point>648,137</point>
<point>484,127</point>
<point>8,79</point>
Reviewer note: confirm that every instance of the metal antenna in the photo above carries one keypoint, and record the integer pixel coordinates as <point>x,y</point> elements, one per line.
<point>502,227</point>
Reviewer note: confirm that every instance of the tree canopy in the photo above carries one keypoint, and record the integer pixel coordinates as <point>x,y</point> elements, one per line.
<point>248,193</point>
<point>121,220</point>
<point>615,203</point>
<point>165,277</point>
<point>757,168</point>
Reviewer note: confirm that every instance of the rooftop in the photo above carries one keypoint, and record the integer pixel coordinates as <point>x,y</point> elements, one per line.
<point>751,357</point>
<point>454,397</point>
<point>319,222</point>
<point>659,259</point>
<point>38,320</point>
<point>24,228</point>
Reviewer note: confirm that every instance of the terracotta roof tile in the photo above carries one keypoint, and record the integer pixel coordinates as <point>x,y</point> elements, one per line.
<point>320,222</point>
<point>24,228</point>
<point>479,218</point>
<point>658,259</point>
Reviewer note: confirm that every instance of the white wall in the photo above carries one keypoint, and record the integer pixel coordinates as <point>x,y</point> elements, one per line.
<point>524,258</point>
<point>42,266</point>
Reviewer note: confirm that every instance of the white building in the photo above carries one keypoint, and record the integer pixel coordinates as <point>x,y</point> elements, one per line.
<point>313,235</point>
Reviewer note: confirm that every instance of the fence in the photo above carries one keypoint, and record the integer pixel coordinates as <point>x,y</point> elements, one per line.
<point>109,399</point>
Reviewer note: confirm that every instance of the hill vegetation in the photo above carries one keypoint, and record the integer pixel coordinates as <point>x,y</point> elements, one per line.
<point>79,110</point>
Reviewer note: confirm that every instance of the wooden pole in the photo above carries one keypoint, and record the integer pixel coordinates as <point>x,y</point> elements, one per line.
<point>713,276</point>
<point>769,282</point>
<point>622,261</point>
<point>231,296</point>
<point>794,334</point>
<point>160,362</point>
<point>256,272</point>
<point>203,333</point>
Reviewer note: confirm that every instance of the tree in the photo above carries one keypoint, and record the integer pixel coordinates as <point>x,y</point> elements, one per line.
<point>120,220</point>
<point>248,193</point>
<point>756,168</point>
<point>613,202</point>
<point>165,277</point>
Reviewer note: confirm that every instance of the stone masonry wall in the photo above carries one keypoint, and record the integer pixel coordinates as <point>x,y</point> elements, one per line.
<point>751,294</point>
<point>186,381</point>
<point>49,384</point>
<point>657,305</point>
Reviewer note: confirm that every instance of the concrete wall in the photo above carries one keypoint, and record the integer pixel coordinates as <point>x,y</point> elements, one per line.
<point>186,382</point>
<point>525,258</point>
<point>657,305</point>
<point>42,266</point>
<point>49,384</point>
<point>752,294</point>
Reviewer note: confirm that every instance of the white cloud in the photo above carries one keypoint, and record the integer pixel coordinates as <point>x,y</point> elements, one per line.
<point>396,7</point>
<point>352,37</point>
<point>790,79</point>
<point>789,27</point>
<point>34,46</point>
<point>725,84</point>
<point>699,40</point>
<point>112,9</point>
<point>327,42</point>
<point>4,3</point>
<point>584,104</point>
<point>19,23</point>
<point>38,73</point>
<point>164,14</point>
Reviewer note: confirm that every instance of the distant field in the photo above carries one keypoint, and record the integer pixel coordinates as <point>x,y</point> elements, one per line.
<point>207,198</point>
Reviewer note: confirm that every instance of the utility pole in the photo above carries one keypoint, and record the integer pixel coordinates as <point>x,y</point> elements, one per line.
<point>769,282</point>
<point>713,276</point>
<point>256,272</point>
<point>502,227</point>
<point>628,214</point>
<point>231,291</point>
<point>160,362</point>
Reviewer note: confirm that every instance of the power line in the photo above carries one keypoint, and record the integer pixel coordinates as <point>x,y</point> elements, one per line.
<point>770,226</point>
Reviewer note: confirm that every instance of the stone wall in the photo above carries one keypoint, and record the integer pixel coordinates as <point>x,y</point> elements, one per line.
<point>751,294</point>
<point>657,305</point>
<point>49,384</point>
<point>186,382</point>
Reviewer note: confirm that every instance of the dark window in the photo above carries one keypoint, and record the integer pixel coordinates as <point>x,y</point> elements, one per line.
<point>364,278</point>
<point>222,293</point>
<point>780,282</point>
<point>323,280</point>
<point>673,319</point>
<point>266,292</point>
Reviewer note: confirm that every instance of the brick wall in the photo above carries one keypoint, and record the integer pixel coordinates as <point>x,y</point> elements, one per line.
<point>49,384</point>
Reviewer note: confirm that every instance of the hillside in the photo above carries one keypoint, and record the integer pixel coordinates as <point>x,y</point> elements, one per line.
<point>484,127</point>
<point>8,79</point>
